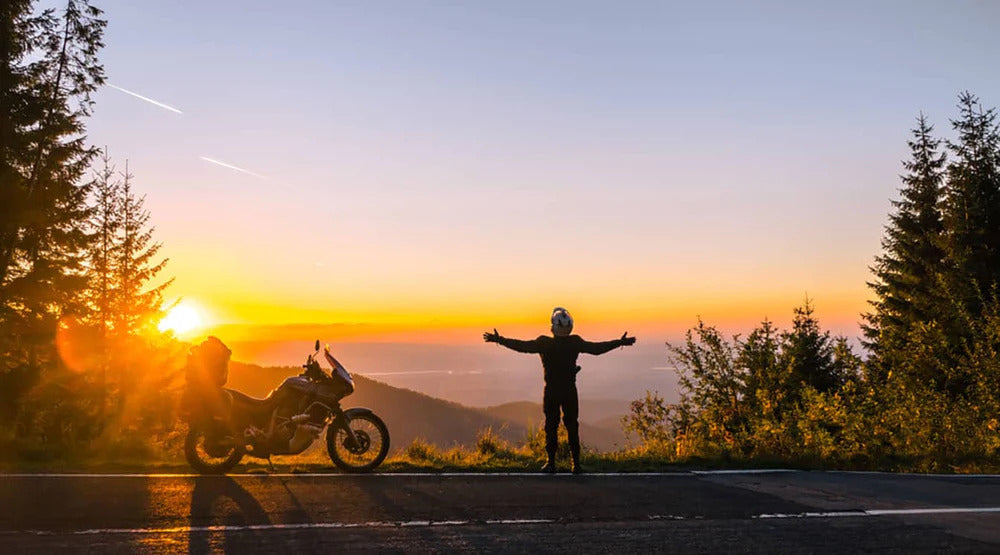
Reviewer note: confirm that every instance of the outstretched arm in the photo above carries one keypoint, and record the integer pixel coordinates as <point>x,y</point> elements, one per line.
<point>513,344</point>
<point>601,347</point>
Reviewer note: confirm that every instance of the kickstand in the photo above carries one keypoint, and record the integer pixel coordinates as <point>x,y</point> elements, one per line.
<point>270,465</point>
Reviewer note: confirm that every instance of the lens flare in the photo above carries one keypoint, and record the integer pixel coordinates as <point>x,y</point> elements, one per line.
<point>182,319</point>
<point>79,345</point>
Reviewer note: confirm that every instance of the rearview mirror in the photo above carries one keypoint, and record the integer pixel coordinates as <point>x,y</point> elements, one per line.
<point>317,344</point>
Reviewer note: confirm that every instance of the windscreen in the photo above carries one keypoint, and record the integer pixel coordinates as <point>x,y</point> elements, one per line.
<point>333,361</point>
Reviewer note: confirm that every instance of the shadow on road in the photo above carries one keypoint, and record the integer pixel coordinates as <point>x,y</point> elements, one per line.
<point>220,501</point>
<point>231,511</point>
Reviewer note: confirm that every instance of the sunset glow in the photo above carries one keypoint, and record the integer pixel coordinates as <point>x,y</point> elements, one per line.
<point>183,320</point>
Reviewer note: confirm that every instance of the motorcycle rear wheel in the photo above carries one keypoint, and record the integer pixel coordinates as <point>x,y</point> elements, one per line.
<point>209,454</point>
<point>372,445</point>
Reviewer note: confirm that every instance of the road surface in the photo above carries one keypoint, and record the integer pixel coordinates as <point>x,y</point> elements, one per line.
<point>766,512</point>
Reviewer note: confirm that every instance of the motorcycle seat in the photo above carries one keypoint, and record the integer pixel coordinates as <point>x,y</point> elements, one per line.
<point>251,402</point>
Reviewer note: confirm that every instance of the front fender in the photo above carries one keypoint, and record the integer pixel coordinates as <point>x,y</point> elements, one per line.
<point>357,411</point>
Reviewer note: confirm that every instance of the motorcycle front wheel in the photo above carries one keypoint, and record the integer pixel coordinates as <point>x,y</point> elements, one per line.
<point>367,451</point>
<point>211,452</point>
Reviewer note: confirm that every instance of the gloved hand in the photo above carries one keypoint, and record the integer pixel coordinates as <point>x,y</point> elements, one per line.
<point>491,337</point>
<point>626,340</point>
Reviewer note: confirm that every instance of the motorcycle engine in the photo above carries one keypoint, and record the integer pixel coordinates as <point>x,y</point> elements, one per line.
<point>283,434</point>
<point>305,434</point>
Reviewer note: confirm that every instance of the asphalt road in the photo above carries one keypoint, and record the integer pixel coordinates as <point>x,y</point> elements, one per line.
<point>771,512</point>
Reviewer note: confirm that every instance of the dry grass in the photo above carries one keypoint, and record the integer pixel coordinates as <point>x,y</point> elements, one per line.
<point>491,453</point>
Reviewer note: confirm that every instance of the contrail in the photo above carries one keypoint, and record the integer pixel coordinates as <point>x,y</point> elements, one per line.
<point>146,98</point>
<point>232,167</point>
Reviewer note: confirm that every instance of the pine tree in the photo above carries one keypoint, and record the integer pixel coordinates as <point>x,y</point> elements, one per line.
<point>139,304</point>
<point>759,355</point>
<point>106,226</point>
<point>48,70</point>
<point>102,290</point>
<point>907,273</point>
<point>972,207</point>
<point>807,353</point>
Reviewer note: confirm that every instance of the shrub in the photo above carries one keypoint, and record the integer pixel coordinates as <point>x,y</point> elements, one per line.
<point>422,450</point>
<point>488,443</point>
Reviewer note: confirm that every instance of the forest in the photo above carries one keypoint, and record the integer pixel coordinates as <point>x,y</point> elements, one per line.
<point>84,366</point>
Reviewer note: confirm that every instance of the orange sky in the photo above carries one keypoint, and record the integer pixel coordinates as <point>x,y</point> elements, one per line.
<point>455,312</point>
<point>404,286</point>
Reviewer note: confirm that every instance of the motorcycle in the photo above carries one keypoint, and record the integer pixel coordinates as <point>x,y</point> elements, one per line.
<point>287,422</point>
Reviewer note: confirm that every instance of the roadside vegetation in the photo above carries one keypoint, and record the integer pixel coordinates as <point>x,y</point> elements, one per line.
<point>924,395</point>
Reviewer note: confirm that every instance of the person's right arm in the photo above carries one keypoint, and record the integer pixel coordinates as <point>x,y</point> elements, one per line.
<point>518,345</point>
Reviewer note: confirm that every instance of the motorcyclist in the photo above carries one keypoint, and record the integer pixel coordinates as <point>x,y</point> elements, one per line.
<point>559,353</point>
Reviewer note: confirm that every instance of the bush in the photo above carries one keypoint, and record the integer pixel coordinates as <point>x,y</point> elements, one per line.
<point>489,444</point>
<point>754,400</point>
<point>423,451</point>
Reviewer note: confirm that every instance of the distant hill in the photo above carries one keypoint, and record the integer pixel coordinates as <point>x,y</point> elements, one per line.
<point>410,414</point>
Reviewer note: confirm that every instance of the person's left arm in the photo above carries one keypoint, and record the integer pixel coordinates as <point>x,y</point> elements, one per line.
<point>601,347</point>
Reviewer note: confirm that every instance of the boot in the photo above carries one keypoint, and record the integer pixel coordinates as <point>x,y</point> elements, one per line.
<point>550,467</point>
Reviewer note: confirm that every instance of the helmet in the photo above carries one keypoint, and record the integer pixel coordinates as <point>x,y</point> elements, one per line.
<point>562,322</point>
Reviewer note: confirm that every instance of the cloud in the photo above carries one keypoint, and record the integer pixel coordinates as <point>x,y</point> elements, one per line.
<point>146,98</point>
<point>232,167</point>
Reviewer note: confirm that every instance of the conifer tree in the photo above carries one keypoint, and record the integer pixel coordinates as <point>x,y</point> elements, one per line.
<point>759,355</point>
<point>106,227</point>
<point>972,207</point>
<point>104,248</point>
<point>807,352</point>
<point>906,284</point>
<point>138,302</point>
<point>48,70</point>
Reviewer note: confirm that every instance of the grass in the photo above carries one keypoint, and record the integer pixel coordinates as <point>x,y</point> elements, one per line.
<point>491,453</point>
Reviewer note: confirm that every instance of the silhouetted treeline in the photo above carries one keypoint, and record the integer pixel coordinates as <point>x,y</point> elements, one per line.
<point>81,359</point>
<point>927,395</point>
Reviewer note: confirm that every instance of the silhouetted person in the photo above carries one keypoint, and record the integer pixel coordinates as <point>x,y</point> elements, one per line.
<point>559,353</point>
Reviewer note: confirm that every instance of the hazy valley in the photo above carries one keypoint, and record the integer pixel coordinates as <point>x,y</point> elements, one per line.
<point>446,394</point>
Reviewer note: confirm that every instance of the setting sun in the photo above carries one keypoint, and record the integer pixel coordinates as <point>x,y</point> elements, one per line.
<point>182,319</point>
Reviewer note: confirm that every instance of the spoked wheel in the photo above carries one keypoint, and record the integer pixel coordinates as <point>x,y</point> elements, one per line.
<point>211,452</point>
<point>368,448</point>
